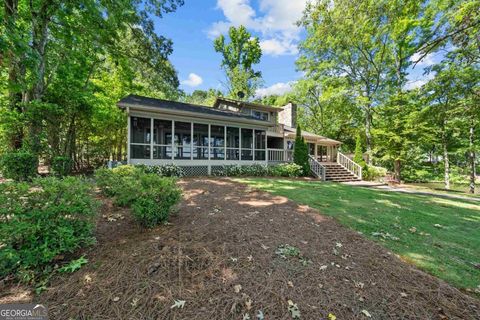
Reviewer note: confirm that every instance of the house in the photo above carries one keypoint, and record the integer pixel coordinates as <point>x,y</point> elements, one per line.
<point>203,139</point>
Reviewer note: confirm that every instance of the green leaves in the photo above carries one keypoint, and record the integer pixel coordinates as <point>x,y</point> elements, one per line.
<point>239,56</point>
<point>74,265</point>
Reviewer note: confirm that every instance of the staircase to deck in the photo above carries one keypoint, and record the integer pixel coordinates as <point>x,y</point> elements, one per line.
<point>337,173</point>
<point>344,170</point>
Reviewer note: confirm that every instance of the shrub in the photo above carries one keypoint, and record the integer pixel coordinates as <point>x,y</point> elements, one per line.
<point>42,220</point>
<point>19,166</point>
<point>155,199</point>
<point>371,173</point>
<point>286,170</point>
<point>150,195</point>
<point>168,170</point>
<point>300,152</point>
<point>62,166</point>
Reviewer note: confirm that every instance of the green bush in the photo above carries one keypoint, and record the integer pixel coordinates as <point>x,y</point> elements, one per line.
<point>168,170</point>
<point>150,195</point>
<point>259,170</point>
<point>300,152</point>
<point>371,173</point>
<point>62,166</point>
<point>42,220</point>
<point>155,199</point>
<point>19,166</point>
<point>286,170</point>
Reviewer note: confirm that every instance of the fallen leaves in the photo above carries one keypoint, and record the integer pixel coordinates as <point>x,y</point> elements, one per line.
<point>237,288</point>
<point>179,304</point>
<point>293,309</point>
<point>366,313</point>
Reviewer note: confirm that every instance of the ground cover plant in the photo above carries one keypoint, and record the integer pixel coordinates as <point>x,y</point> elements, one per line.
<point>150,196</point>
<point>441,236</point>
<point>42,221</point>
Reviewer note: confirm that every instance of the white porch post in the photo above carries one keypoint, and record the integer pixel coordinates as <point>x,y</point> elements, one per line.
<point>209,149</point>
<point>173,140</point>
<point>151,138</point>
<point>128,135</point>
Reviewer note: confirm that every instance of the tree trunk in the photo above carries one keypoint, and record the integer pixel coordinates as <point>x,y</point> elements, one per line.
<point>472,160</point>
<point>397,167</point>
<point>368,134</point>
<point>447,165</point>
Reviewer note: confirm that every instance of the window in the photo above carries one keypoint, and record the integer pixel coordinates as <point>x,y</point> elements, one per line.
<point>217,142</point>
<point>162,139</point>
<point>200,141</point>
<point>233,143</point>
<point>260,115</point>
<point>247,144</point>
<point>182,140</point>
<point>260,145</point>
<point>140,135</point>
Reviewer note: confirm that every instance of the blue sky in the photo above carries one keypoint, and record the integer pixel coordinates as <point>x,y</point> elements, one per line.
<point>194,26</point>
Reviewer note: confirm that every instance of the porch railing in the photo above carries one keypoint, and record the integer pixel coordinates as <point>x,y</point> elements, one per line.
<point>317,169</point>
<point>280,155</point>
<point>349,164</point>
<point>277,128</point>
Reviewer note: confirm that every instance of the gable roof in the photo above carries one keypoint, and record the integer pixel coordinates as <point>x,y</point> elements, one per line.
<point>243,104</point>
<point>135,101</point>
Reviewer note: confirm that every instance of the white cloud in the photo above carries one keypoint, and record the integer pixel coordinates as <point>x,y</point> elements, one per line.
<point>426,61</point>
<point>194,80</point>
<point>418,82</point>
<point>276,89</point>
<point>275,47</point>
<point>275,21</point>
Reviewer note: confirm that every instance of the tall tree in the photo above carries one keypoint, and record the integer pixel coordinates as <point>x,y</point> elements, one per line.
<point>345,39</point>
<point>238,57</point>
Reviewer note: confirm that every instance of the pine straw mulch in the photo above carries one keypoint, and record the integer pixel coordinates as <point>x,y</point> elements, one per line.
<point>219,256</point>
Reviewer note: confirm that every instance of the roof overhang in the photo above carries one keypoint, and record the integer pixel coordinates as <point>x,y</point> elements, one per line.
<point>243,104</point>
<point>198,115</point>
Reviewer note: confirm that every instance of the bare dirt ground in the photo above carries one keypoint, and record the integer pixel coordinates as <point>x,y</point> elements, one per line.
<point>220,255</point>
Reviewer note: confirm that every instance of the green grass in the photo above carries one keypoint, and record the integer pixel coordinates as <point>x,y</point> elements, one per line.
<point>439,187</point>
<point>449,252</point>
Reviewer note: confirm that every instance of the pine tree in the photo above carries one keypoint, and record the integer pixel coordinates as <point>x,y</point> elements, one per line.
<point>358,157</point>
<point>300,152</point>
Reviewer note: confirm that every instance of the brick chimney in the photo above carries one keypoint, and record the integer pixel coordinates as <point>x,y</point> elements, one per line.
<point>288,116</point>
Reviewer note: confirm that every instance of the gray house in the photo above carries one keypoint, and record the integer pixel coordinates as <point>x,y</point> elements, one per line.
<point>202,139</point>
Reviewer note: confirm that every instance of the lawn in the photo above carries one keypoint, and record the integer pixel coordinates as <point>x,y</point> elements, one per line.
<point>440,236</point>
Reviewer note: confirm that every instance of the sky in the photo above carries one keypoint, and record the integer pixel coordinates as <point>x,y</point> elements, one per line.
<point>194,25</point>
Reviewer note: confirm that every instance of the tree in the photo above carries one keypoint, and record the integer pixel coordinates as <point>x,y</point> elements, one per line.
<point>238,58</point>
<point>346,41</point>
<point>358,157</point>
<point>300,152</point>
<point>60,60</point>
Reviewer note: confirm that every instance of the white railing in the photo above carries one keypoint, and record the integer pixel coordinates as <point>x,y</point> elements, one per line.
<point>349,164</point>
<point>280,155</point>
<point>317,169</point>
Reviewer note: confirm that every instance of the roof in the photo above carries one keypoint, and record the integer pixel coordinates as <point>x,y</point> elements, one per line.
<point>246,104</point>
<point>175,106</point>
<point>289,131</point>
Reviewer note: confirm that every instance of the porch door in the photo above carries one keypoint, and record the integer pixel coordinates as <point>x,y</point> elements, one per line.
<point>311,148</point>
<point>322,153</point>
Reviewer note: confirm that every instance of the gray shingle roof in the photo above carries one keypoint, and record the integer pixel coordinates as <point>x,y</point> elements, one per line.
<point>134,100</point>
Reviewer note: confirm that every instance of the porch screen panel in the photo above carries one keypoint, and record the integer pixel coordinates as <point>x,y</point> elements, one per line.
<point>140,135</point>
<point>200,141</point>
<point>260,145</point>
<point>183,140</point>
<point>162,139</point>
<point>217,140</point>
<point>247,144</point>
<point>233,143</point>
